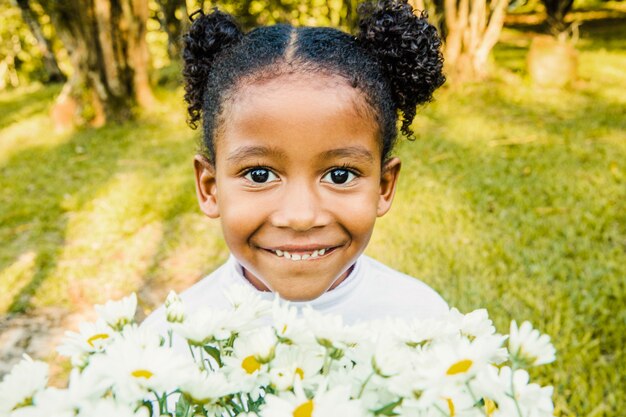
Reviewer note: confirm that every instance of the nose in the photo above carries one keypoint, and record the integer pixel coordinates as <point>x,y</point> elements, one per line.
<point>300,208</point>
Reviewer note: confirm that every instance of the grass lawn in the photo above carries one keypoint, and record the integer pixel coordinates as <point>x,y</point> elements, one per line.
<point>512,198</point>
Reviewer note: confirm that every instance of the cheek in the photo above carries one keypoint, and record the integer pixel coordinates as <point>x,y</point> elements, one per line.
<point>358,213</point>
<point>237,216</point>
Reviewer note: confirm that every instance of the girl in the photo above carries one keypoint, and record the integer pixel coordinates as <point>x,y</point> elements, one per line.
<point>298,126</point>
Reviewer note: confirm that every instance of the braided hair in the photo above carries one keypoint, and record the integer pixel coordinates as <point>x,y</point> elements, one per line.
<point>394,61</point>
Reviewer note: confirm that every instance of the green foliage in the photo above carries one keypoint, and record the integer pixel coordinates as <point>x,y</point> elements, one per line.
<point>511,198</point>
<point>17,47</point>
<point>336,13</point>
<point>20,57</point>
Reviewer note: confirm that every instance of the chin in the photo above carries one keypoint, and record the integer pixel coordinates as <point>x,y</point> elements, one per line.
<point>299,294</point>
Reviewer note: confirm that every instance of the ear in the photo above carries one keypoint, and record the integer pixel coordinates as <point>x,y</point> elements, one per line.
<point>206,186</point>
<point>388,181</point>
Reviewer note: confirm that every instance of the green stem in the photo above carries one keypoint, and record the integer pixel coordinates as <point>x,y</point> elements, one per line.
<point>367,380</point>
<point>513,395</point>
<point>191,350</point>
<point>469,389</point>
<point>441,411</point>
<point>327,362</point>
<point>203,361</point>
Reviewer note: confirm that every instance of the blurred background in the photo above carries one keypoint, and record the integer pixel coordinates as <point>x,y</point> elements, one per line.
<point>512,197</point>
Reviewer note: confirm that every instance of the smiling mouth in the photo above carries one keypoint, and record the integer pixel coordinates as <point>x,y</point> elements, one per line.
<point>302,255</point>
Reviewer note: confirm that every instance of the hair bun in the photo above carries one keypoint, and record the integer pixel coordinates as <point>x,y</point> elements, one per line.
<point>208,35</point>
<point>408,50</point>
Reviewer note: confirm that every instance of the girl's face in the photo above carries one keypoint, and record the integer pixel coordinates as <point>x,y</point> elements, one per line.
<point>297,182</point>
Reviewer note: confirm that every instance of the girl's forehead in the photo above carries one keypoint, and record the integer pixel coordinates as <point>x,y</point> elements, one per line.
<point>298,111</point>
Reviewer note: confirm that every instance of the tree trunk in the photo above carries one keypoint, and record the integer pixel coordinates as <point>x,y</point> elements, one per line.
<point>55,75</point>
<point>106,43</point>
<point>172,25</point>
<point>556,10</point>
<point>472,30</point>
<point>552,62</point>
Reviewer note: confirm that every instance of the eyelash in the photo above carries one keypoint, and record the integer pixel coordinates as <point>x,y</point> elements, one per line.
<point>247,171</point>
<point>346,167</point>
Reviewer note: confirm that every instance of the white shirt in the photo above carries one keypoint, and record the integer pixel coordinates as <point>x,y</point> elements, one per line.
<point>371,291</point>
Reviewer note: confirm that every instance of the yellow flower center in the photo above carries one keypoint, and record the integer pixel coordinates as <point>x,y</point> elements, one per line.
<point>304,409</point>
<point>450,407</point>
<point>97,337</point>
<point>490,407</point>
<point>142,373</point>
<point>300,373</point>
<point>250,364</point>
<point>460,367</point>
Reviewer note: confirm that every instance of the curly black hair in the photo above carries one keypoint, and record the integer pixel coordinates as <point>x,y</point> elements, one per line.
<point>394,61</point>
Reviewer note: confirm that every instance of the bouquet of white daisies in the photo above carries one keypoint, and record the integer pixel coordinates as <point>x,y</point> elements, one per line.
<point>259,358</point>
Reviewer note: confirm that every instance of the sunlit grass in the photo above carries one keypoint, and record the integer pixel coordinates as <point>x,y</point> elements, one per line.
<point>512,198</point>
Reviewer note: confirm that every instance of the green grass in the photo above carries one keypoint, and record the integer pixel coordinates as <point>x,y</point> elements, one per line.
<point>512,198</point>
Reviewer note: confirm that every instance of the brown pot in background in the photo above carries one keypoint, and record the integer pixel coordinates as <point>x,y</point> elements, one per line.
<point>552,62</point>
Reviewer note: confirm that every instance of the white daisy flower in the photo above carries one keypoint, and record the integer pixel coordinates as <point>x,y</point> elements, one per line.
<point>247,366</point>
<point>141,337</point>
<point>390,354</point>
<point>108,408</point>
<point>418,333</point>
<point>528,346</point>
<point>204,326</point>
<point>532,399</point>
<point>293,362</point>
<point>458,403</point>
<point>440,370</point>
<point>288,325</point>
<point>174,308</point>
<point>18,387</point>
<point>474,324</point>
<point>207,387</point>
<point>91,338</point>
<point>332,403</point>
<point>243,297</point>
<point>55,402</point>
<point>330,330</point>
<point>133,370</point>
<point>118,314</point>
<point>488,384</point>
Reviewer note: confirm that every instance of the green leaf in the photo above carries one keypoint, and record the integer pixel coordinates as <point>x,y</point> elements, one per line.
<point>214,352</point>
<point>387,410</point>
<point>183,406</point>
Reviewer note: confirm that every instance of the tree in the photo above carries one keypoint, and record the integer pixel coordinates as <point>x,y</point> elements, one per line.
<point>471,28</point>
<point>172,25</point>
<point>45,46</point>
<point>556,10</point>
<point>106,43</point>
<point>552,59</point>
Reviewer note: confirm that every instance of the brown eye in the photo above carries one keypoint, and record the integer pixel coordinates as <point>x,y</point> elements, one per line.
<point>339,176</point>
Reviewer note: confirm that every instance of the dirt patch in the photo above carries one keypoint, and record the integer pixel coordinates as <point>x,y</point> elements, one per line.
<point>36,334</point>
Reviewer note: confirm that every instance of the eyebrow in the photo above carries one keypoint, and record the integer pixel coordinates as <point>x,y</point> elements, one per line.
<point>353,152</point>
<point>244,152</point>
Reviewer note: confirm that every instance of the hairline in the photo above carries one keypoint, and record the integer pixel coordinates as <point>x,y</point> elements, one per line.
<point>362,106</point>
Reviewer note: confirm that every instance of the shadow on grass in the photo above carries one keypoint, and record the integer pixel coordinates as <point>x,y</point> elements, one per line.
<point>39,179</point>
<point>45,187</point>
<point>26,105</point>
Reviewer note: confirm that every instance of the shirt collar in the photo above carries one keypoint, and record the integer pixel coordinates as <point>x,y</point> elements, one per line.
<point>325,301</point>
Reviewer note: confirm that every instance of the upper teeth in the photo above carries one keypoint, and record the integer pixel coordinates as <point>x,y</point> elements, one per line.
<point>300,256</point>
